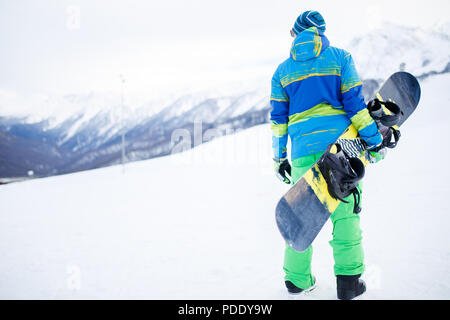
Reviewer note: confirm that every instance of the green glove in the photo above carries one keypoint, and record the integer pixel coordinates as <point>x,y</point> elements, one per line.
<point>376,156</point>
<point>282,170</point>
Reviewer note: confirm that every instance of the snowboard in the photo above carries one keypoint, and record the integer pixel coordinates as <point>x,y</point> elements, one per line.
<point>304,209</point>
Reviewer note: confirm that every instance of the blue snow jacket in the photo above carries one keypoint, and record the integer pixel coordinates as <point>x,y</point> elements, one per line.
<point>316,94</point>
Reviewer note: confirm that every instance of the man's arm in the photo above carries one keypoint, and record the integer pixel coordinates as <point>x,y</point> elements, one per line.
<point>279,117</point>
<point>354,105</point>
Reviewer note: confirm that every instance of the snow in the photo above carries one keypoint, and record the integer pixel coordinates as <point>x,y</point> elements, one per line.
<point>201,225</point>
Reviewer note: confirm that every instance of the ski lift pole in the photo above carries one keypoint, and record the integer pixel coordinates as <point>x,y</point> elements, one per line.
<point>122,80</point>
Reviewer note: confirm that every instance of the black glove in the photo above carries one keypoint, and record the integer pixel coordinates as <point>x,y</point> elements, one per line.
<point>282,170</point>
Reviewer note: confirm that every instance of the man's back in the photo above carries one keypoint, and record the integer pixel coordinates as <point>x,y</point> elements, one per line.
<point>316,93</point>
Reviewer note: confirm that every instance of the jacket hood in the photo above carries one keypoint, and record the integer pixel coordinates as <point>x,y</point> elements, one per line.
<point>309,44</point>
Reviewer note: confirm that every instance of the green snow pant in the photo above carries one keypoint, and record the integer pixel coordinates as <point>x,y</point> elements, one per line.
<point>347,249</point>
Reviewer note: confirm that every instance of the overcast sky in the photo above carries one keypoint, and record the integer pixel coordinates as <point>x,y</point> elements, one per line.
<point>59,46</point>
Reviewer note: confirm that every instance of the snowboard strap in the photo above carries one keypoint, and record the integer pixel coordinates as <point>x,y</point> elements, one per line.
<point>386,122</point>
<point>388,135</point>
<point>393,133</point>
<point>342,174</point>
<point>378,114</point>
<point>357,201</point>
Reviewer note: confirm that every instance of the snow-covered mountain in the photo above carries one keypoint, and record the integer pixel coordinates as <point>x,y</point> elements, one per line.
<point>92,137</point>
<point>84,131</point>
<point>393,47</point>
<point>201,225</point>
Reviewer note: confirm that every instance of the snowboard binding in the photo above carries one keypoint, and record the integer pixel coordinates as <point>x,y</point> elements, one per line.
<point>342,174</point>
<point>386,122</point>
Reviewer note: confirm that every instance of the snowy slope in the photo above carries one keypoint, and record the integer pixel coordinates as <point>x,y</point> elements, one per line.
<point>200,224</point>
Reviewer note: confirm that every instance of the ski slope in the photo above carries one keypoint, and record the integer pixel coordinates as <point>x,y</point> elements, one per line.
<point>200,224</point>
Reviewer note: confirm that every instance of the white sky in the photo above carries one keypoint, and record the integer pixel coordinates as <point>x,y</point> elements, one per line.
<point>45,47</point>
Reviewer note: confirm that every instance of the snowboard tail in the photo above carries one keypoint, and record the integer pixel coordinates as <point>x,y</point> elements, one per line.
<point>305,208</point>
<point>291,218</point>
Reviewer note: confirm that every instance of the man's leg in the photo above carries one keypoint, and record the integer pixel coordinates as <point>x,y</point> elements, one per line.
<point>347,250</point>
<point>347,240</point>
<point>297,265</point>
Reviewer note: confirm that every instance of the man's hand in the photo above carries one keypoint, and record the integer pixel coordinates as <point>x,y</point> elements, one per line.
<point>282,170</point>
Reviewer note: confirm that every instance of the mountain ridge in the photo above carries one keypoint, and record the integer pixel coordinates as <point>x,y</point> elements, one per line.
<point>92,137</point>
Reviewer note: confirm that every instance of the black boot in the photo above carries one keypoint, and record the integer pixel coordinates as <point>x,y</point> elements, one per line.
<point>293,289</point>
<point>349,287</point>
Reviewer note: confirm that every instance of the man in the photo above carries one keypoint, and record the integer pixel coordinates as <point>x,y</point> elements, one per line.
<point>316,94</point>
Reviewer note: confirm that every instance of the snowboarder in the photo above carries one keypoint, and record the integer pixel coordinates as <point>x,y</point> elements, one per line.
<point>316,93</point>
